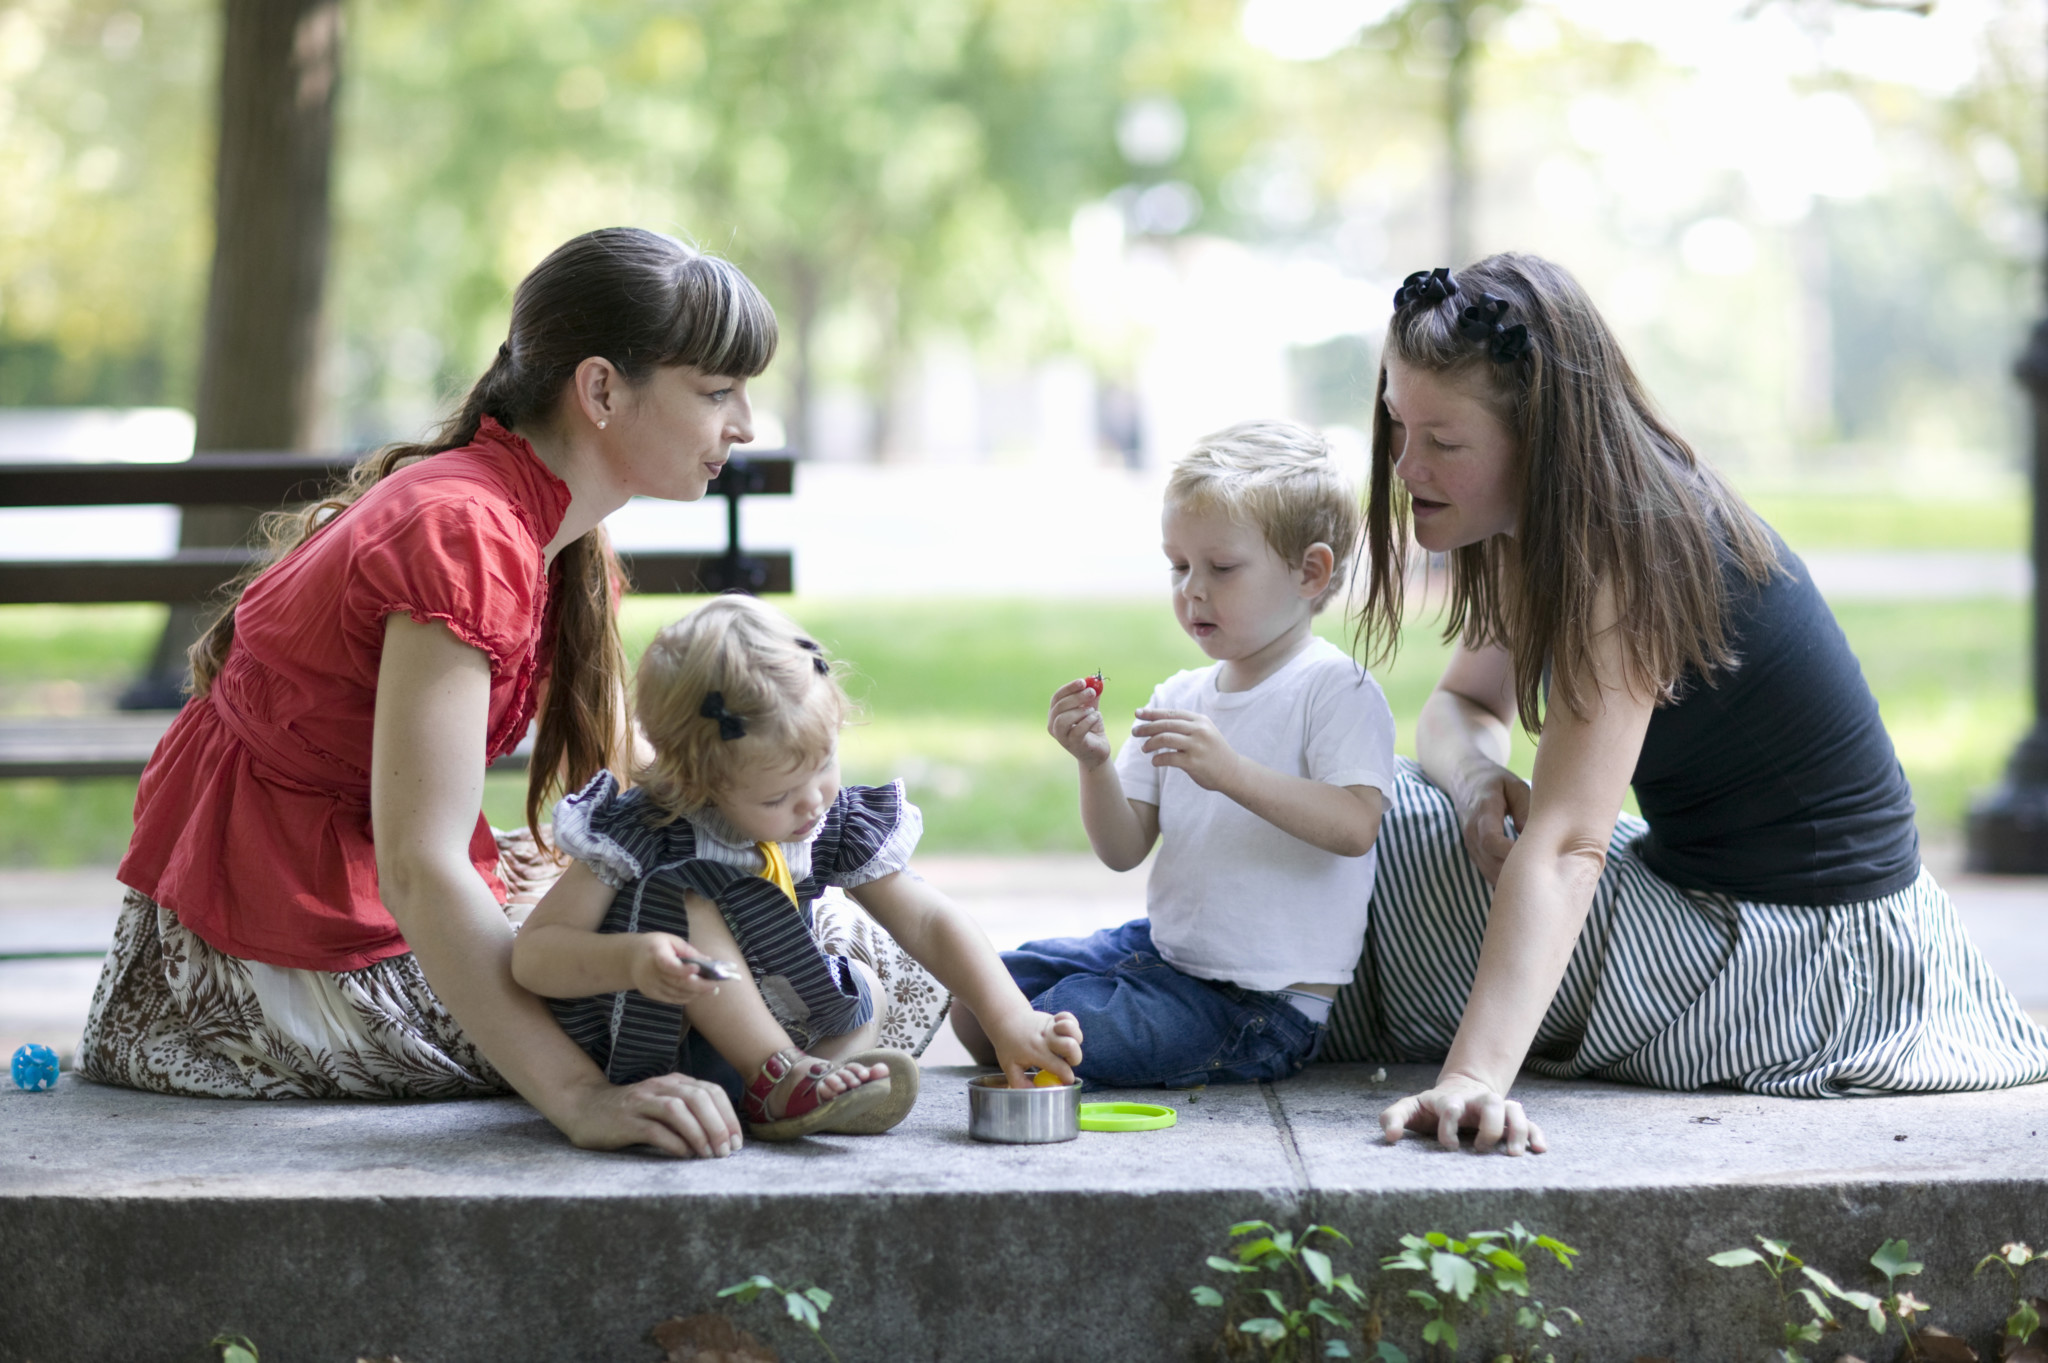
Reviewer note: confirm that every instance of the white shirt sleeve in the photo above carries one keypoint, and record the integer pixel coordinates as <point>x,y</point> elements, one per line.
<point>1350,729</point>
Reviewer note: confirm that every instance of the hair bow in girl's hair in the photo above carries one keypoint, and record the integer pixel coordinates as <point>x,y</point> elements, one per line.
<point>1481,320</point>
<point>1425,286</point>
<point>817,655</point>
<point>1509,343</point>
<point>729,724</point>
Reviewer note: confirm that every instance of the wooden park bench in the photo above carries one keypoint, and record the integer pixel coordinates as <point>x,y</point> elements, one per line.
<point>80,746</point>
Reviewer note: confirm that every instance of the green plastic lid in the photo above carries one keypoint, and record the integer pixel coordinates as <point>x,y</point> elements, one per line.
<point>1126,1117</point>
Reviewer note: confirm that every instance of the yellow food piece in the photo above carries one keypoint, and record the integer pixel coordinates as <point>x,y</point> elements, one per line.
<point>1046,1079</point>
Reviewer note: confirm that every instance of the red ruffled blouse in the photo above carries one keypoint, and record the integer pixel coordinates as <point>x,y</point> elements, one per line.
<point>252,823</point>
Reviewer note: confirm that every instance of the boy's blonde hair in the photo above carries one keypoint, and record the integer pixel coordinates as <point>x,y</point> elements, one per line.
<point>767,675</point>
<point>1279,478</point>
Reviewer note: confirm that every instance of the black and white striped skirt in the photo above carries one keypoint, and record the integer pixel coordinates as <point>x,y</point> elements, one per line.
<point>1681,989</point>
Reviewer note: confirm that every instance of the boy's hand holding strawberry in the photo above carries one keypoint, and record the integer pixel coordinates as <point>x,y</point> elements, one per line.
<point>1076,721</point>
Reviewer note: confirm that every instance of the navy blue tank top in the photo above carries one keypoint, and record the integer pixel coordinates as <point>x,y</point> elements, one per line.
<point>1777,783</point>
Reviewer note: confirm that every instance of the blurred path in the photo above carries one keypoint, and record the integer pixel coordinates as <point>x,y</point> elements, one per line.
<point>877,530</point>
<point>1013,898</point>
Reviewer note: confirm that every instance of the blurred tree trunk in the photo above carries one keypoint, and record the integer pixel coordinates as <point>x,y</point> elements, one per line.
<point>1461,52</point>
<point>2008,829</point>
<point>806,292</point>
<point>280,66</point>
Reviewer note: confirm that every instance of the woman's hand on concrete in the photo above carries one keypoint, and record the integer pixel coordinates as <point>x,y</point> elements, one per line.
<point>674,1113</point>
<point>662,969</point>
<point>1075,719</point>
<point>1458,1103</point>
<point>1485,804</point>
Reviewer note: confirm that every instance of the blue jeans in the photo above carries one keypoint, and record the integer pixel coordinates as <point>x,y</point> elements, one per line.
<point>1144,1023</point>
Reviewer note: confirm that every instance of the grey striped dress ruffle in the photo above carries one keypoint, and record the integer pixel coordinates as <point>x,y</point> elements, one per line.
<point>1680,989</point>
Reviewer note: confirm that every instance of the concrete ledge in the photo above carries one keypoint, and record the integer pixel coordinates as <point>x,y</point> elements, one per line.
<point>137,1227</point>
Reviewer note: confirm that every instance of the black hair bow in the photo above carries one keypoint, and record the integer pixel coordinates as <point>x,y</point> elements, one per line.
<point>729,724</point>
<point>1425,286</point>
<point>817,654</point>
<point>1481,322</point>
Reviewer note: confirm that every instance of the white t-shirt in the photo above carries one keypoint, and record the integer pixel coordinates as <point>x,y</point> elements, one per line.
<point>1232,897</point>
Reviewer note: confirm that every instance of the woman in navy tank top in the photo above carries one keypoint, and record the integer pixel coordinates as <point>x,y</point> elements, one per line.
<point>1766,924</point>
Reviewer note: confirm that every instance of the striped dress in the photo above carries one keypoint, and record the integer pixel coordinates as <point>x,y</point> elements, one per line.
<point>1687,989</point>
<point>793,951</point>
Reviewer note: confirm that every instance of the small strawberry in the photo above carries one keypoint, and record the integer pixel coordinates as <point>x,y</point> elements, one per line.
<point>1093,683</point>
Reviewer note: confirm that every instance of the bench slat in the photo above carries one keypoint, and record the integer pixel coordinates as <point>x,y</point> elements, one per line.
<point>75,747</point>
<point>269,480</point>
<point>196,574</point>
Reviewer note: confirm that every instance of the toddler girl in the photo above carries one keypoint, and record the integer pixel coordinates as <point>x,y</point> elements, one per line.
<point>713,860</point>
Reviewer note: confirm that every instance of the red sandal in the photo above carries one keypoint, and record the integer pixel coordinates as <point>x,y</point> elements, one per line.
<point>804,1110</point>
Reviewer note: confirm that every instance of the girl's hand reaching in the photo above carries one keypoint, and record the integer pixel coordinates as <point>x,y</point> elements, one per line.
<point>1076,721</point>
<point>664,969</point>
<point>1033,1040</point>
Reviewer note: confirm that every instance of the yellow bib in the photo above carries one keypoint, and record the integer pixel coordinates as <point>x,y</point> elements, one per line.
<point>775,869</point>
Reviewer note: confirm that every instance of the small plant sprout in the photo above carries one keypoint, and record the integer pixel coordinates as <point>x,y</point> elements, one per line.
<point>1893,1261</point>
<point>234,1348</point>
<point>1470,1275</point>
<point>1779,1261</point>
<point>2015,1258</point>
<point>805,1305</point>
<point>1294,1317</point>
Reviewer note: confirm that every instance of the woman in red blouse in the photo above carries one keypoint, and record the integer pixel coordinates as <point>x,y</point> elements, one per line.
<point>316,905</point>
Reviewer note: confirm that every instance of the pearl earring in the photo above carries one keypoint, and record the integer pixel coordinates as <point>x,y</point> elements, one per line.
<point>601,425</point>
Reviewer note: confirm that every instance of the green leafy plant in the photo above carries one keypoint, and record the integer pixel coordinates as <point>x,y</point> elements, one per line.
<point>2015,1259</point>
<point>805,1305</point>
<point>1289,1318</point>
<point>1893,1261</point>
<point>1781,1264</point>
<point>1471,1275</point>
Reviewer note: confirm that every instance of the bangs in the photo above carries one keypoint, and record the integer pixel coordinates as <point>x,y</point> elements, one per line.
<point>722,324</point>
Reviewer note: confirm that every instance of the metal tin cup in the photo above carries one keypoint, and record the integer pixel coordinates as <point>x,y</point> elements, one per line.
<point>1033,1116</point>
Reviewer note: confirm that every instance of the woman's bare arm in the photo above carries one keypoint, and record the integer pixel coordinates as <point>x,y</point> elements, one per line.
<point>1544,890</point>
<point>426,788</point>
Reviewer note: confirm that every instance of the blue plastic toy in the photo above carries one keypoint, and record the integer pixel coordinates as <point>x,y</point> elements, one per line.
<point>35,1068</point>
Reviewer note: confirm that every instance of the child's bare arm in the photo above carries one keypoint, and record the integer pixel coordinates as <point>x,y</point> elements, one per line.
<point>560,954</point>
<point>1340,819</point>
<point>1121,830</point>
<point>946,942</point>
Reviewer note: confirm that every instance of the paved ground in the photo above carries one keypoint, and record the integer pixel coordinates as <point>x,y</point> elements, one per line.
<point>455,1231</point>
<point>1014,899</point>
<point>874,530</point>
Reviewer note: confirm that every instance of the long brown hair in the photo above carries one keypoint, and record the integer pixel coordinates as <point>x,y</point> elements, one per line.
<point>1608,495</point>
<point>638,299</point>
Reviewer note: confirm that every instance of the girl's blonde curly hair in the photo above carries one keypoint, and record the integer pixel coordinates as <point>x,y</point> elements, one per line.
<point>763,671</point>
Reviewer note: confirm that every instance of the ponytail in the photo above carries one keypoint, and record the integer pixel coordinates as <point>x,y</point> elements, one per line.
<point>637,299</point>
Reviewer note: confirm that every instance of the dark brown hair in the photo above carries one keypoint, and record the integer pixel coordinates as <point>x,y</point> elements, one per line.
<point>640,300</point>
<point>1607,493</point>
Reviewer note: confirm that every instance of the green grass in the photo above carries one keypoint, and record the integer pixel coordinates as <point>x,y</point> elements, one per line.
<point>954,694</point>
<point>1814,520</point>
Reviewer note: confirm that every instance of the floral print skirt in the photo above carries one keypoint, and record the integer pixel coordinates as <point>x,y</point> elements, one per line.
<point>173,1014</point>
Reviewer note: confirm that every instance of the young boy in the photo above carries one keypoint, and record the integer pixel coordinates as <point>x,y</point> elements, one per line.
<point>1262,777</point>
